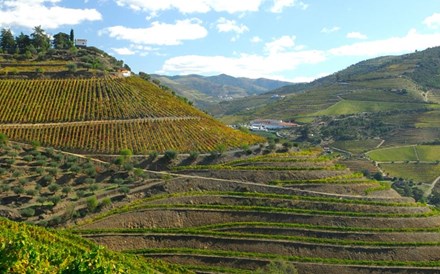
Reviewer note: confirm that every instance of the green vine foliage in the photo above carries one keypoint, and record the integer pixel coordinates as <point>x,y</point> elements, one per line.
<point>31,249</point>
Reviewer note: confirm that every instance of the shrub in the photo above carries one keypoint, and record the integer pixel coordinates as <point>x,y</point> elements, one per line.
<point>3,138</point>
<point>53,187</point>
<point>118,181</point>
<point>124,190</point>
<point>27,212</point>
<point>18,190</point>
<point>93,187</point>
<point>89,181</point>
<point>193,155</point>
<point>23,181</point>
<point>31,192</point>
<point>105,202</point>
<point>91,172</point>
<point>92,203</point>
<point>55,199</point>
<point>17,174</point>
<point>153,155</point>
<point>28,158</point>
<point>66,189</point>
<point>170,155</point>
<point>5,188</point>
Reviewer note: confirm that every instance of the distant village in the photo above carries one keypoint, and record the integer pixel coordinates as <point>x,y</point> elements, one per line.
<point>270,124</point>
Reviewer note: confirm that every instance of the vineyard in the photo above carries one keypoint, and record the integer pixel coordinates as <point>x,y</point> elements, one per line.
<point>243,215</point>
<point>28,248</point>
<point>105,115</point>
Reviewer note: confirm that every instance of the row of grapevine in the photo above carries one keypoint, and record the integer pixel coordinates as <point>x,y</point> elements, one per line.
<point>141,136</point>
<point>64,100</point>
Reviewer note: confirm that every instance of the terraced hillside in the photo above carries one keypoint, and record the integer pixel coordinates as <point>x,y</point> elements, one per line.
<point>297,207</point>
<point>107,114</point>
<point>394,98</point>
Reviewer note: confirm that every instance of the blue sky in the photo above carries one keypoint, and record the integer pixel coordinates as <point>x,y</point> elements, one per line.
<point>294,40</point>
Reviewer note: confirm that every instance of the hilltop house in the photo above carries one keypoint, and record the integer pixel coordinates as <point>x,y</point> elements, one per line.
<point>124,72</point>
<point>270,124</point>
<point>81,42</point>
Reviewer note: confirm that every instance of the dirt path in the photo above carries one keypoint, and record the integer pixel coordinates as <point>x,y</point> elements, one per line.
<point>381,143</point>
<point>98,122</point>
<point>431,187</point>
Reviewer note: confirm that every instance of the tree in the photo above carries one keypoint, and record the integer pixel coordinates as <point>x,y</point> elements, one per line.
<point>72,37</point>
<point>61,40</point>
<point>23,42</point>
<point>40,40</point>
<point>7,41</point>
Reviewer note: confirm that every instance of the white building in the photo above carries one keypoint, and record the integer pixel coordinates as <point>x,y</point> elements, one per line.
<point>81,42</point>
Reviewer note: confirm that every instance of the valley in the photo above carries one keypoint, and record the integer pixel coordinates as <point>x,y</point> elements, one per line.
<point>127,176</point>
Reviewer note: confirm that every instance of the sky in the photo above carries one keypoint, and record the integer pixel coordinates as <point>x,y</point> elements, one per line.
<point>292,40</point>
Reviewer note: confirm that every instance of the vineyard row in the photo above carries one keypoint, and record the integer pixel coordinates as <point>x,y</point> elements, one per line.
<point>141,136</point>
<point>66,100</point>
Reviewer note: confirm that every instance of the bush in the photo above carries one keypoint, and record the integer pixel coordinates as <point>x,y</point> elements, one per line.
<point>18,190</point>
<point>55,199</point>
<point>66,189</point>
<point>27,212</point>
<point>89,181</point>
<point>3,138</point>
<point>193,155</point>
<point>124,190</point>
<point>92,204</point>
<point>53,187</point>
<point>170,155</point>
<point>105,202</point>
<point>153,155</point>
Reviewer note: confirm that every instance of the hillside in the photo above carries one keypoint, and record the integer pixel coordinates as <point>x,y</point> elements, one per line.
<point>298,208</point>
<point>30,248</point>
<point>205,91</point>
<point>96,111</point>
<point>395,85</point>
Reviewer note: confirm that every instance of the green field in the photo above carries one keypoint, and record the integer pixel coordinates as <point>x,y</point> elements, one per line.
<point>429,119</point>
<point>428,153</point>
<point>406,153</point>
<point>357,146</point>
<point>422,153</point>
<point>423,173</point>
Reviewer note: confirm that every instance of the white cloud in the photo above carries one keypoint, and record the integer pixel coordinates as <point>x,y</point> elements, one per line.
<point>160,33</point>
<point>356,35</point>
<point>28,14</point>
<point>393,45</point>
<point>281,44</point>
<point>224,25</point>
<point>193,6</point>
<point>246,65</point>
<point>330,30</point>
<point>256,39</point>
<point>280,5</point>
<point>433,21</point>
<point>124,51</point>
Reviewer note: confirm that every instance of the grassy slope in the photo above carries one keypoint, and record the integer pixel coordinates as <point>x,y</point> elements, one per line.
<point>393,154</point>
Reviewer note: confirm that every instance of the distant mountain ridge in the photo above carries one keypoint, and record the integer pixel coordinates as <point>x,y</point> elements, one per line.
<point>212,89</point>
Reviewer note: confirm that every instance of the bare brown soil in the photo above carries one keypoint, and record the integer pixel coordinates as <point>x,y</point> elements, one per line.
<point>288,203</point>
<point>406,237</point>
<point>179,218</point>
<point>286,248</point>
